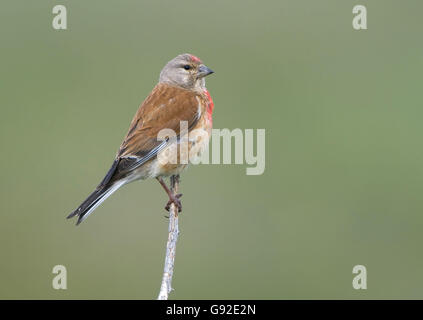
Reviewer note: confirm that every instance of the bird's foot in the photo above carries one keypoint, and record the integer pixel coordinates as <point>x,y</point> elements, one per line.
<point>175,200</point>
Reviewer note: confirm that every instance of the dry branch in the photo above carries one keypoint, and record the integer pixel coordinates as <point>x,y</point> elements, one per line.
<point>166,286</point>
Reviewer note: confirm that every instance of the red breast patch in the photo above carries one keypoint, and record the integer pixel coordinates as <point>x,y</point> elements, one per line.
<point>210,105</point>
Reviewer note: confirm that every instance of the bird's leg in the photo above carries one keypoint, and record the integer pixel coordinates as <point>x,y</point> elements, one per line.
<point>173,198</point>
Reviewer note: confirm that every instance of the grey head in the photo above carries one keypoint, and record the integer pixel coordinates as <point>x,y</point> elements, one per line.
<point>185,71</point>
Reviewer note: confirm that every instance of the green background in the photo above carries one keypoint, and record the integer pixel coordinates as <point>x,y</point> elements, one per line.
<point>343,182</point>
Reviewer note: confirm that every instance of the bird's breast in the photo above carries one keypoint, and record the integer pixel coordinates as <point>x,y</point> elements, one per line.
<point>210,105</point>
<point>189,148</point>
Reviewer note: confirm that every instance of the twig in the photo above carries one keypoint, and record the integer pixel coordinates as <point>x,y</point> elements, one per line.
<point>166,286</point>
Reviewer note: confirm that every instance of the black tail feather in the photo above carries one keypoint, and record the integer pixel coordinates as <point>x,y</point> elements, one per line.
<point>91,201</point>
<point>98,195</point>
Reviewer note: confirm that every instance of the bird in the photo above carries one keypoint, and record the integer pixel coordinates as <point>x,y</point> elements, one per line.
<point>180,97</point>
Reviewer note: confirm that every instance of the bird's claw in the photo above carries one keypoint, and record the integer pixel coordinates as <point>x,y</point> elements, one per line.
<point>175,200</point>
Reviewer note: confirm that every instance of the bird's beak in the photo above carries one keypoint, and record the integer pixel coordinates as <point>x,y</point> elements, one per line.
<point>204,71</point>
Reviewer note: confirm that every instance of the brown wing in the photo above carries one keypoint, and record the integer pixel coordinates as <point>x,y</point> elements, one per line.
<point>164,108</point>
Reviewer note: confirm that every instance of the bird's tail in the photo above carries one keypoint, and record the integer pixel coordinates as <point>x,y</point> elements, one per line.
<point>101,193</point>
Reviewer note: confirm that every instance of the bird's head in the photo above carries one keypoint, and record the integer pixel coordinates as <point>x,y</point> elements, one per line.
<point>186,71</point>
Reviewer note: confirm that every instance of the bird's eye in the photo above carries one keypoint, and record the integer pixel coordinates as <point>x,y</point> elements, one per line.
<point>187,67</point>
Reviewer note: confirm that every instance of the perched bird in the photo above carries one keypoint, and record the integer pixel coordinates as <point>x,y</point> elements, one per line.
<point>179,97</point>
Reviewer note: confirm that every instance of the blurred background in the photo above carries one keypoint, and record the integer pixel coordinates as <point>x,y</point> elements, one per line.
<point>343,182</point>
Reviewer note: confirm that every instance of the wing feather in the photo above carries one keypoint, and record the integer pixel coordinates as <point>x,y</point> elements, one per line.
<point>164,108</point>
